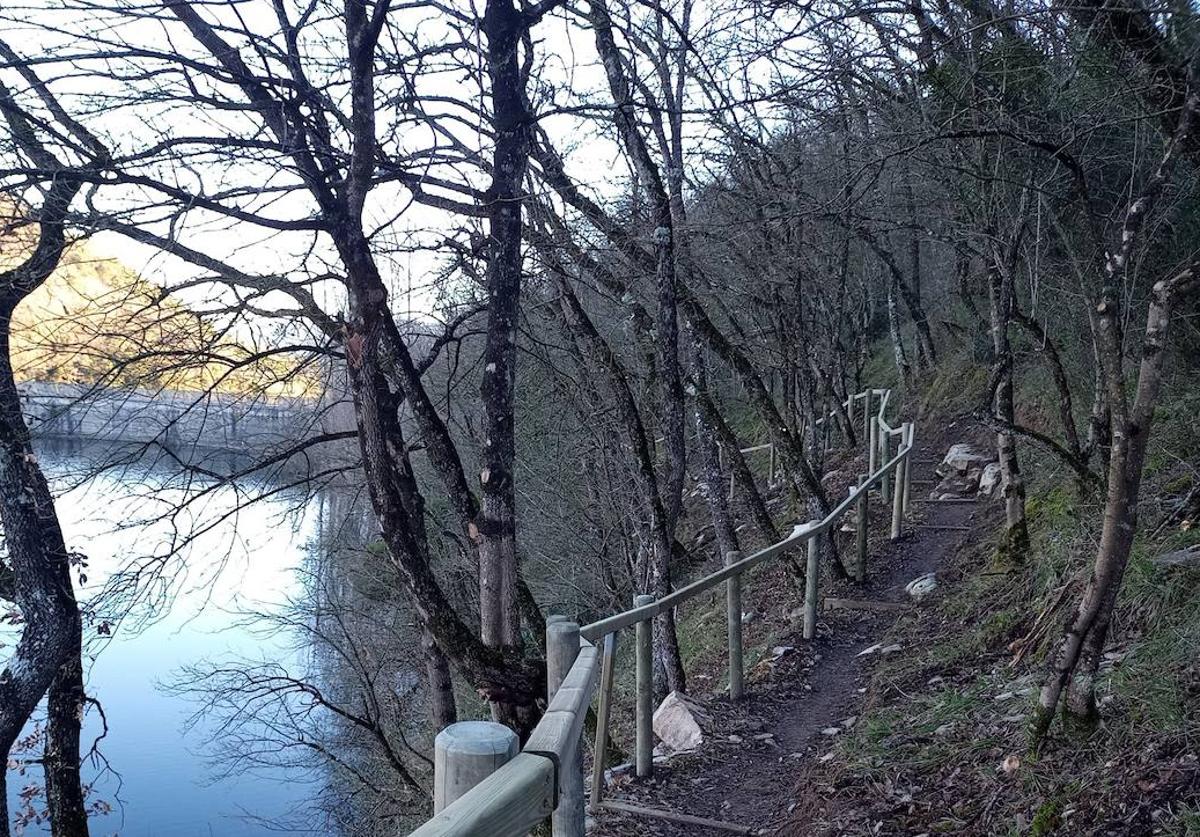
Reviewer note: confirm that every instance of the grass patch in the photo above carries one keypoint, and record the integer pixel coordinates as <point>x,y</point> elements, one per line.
<point>958,387</point>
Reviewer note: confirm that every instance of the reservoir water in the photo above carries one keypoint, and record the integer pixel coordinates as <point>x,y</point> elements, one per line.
<point>197,584</point>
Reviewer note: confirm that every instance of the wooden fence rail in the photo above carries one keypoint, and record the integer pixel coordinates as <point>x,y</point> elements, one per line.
<point>546,776</point>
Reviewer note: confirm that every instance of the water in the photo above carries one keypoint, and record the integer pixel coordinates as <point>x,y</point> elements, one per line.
<point>164,775</point>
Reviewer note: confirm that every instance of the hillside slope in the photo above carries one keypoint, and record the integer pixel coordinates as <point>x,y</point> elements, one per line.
<point>95,320</point>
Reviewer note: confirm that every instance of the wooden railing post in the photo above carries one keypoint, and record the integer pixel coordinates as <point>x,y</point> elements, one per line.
<point>872,445</point>
<point>733,613</point>
<point>860,567</point>
<point>644,730</point>
<point>908,439</point>
<point>562,647</point>
<point>867,398</point>
<point>885,439</point>
<point>812,577</point>
<point>898,498</point>
<point>466,753</point>
<point>603,711</point>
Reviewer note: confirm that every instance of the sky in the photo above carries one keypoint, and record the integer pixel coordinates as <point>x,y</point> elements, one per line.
<point>132,110</point>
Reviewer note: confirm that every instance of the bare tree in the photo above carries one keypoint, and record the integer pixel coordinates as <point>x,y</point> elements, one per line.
<point>48,654</point>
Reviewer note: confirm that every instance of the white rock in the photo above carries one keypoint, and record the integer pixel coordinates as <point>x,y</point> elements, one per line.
<point>989,480</point>
<point>961,458</point>
<point>921,586</point>
<point>879,648</point>
<point>831,731</point>
<point>679,722</point>
<point>782,650</point>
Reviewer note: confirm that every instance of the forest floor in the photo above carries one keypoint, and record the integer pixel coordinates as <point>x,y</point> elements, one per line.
<point>802,696</point>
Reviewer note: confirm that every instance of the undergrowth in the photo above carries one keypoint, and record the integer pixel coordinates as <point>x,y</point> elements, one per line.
<point>943,747</point>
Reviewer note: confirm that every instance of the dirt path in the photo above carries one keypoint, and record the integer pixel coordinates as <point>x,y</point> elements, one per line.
<point>745,773</point>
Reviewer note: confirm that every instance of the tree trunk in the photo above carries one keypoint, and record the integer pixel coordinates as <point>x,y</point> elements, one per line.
<point>500,619</point>
<point>1014,544</point>
<point>1083,643</point>
<point>64,715</point>
<point>662,236</point>
<point>742,475</point>
<point>912,301</point>
<point>893,317</point>
<point>925,350</point>
<point>443,711</point>
<point>710,458</point>
<point>37,554</point>
<point>653,573</point>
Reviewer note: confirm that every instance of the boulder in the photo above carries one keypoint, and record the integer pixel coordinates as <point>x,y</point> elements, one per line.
<point>989,480</point>
<point>963,458</point>
<point>955,486</point>
<point>680,722</point>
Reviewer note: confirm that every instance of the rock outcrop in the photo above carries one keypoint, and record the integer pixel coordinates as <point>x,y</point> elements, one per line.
<point>962,472</point>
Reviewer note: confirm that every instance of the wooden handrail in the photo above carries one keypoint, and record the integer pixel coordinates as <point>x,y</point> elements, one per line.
<point>634,615</point>
<point>522,793</point>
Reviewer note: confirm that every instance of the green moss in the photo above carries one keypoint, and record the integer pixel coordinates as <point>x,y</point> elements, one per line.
<point>1046,819</point>
<point>1012,546</point>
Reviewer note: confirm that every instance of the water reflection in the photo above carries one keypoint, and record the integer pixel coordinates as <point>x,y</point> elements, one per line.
<point>187,574</point>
